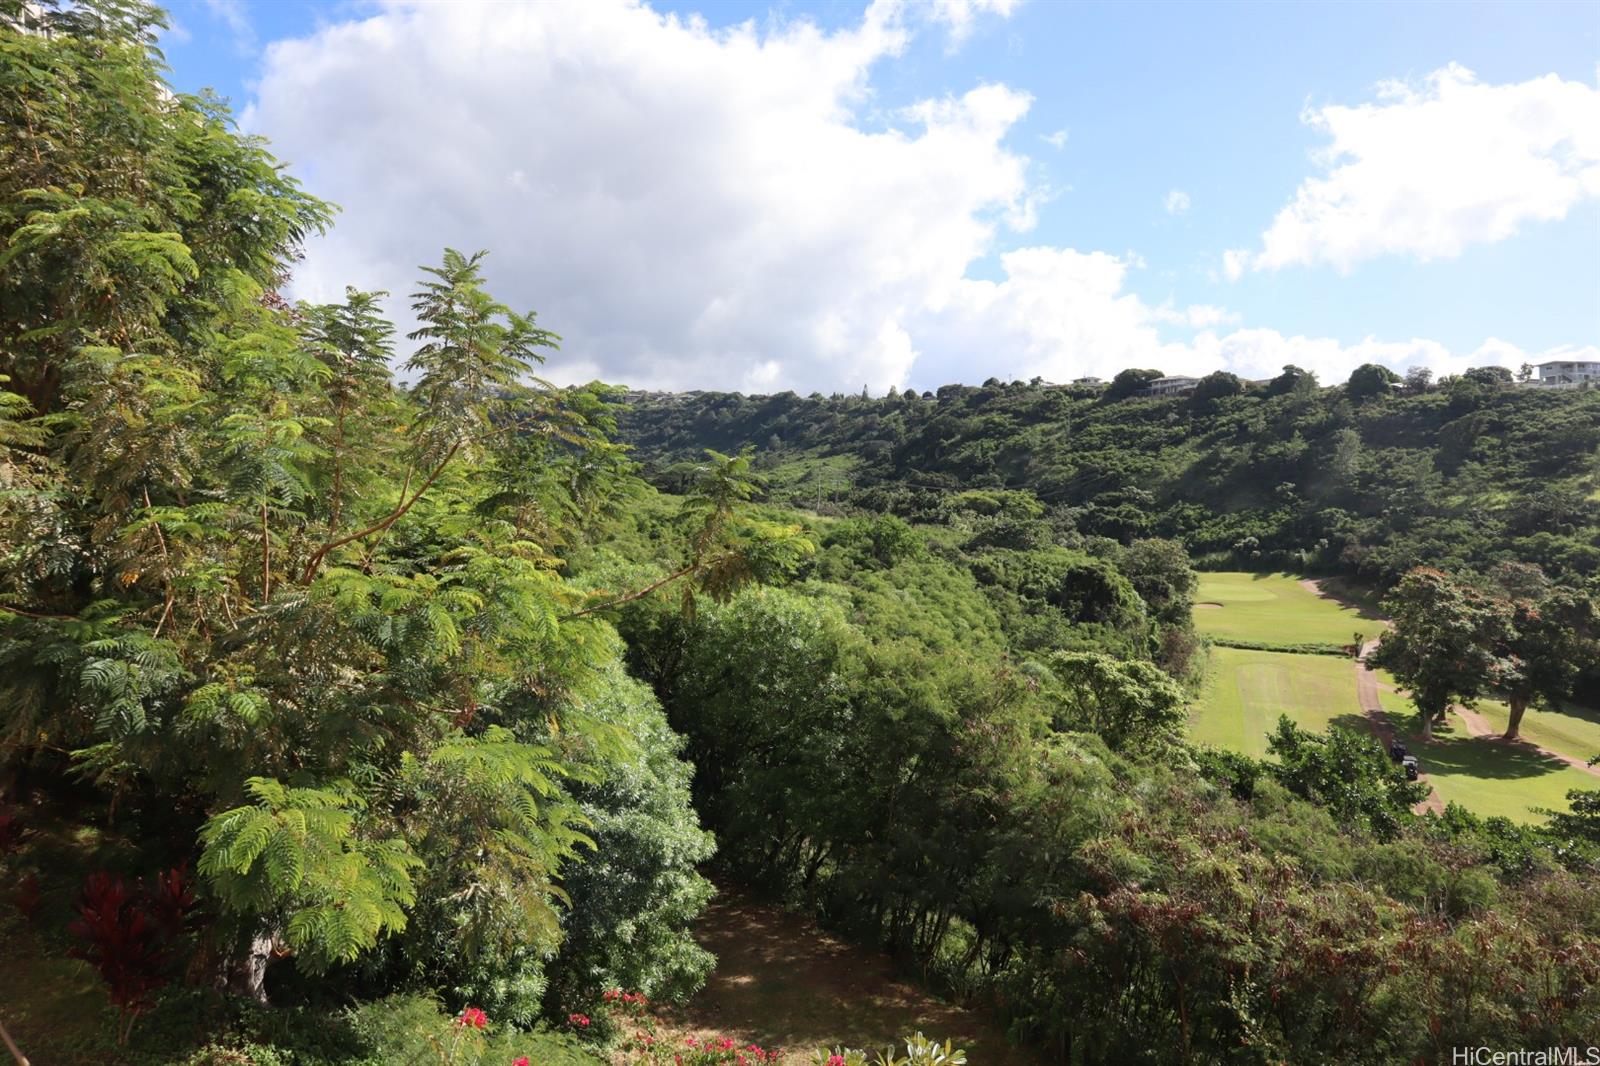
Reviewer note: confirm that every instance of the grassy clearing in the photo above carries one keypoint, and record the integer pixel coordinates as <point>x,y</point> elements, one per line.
<point>1484,776</point>
<point>781,982</point>
<point>1275,609</point>
<point>1246,691</point>
<point>810,480</point>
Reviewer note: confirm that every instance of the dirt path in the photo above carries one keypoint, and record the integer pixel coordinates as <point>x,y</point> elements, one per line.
<point>782,982</point>
<point>1478,726</point>
<point>1378,719</point>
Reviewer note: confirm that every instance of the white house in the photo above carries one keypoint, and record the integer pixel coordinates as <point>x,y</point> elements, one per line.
<point>1569,374</point>
<point>1174,386</point>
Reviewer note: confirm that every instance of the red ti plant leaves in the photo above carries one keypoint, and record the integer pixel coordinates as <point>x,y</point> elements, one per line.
<point>131,935</point>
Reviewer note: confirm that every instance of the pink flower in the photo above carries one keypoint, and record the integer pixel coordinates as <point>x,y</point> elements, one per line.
<point>835,1060</point>
<point>473,1017</point>
<point>520,1060</point>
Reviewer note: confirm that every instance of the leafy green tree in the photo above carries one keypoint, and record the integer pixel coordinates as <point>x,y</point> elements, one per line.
<point>728,547</point>
<point>1492,376</point>
<point>470,367</point>
<point>1218,385</point>
<point>1132,705</point>
<point>1161,573</point>
<point>1368,381</point>
<point>131,216</point>
<point>1127,382</point>
<point>1293,380</point>
<point>883,540</point>
<point>355,343</point>
<point>296,854</point>
<point>1441,643</point>
<point>634,899</point>
<point>1347,772</point>
<point>1543,647</point>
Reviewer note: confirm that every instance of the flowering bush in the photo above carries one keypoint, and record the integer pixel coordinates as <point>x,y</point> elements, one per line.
<point>642,1044</point>
<point>413,1030</point>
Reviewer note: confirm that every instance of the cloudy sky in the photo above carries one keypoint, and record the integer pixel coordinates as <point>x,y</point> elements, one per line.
<point>764,196</point>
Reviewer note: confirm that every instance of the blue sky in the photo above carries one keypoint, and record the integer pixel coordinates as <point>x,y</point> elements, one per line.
<point>1131,109</point>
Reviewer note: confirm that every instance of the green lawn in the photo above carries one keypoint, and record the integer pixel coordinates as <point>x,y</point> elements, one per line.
<point>1572,730</point>
<point>1485,777</point>
<point>1274,609</point>
<point>1246,691</point>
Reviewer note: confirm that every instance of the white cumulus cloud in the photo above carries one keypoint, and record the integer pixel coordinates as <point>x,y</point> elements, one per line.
<point>1061,314</point>
<point>1427,170</point>
<point>686,205</point>
<point>960,16</point>
<point>721,208</point>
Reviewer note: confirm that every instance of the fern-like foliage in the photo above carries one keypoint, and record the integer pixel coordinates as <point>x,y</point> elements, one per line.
<point>496,805</point>
<point>298,853</point>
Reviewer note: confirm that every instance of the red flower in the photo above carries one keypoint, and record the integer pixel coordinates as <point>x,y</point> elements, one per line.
<point>520,1060</point>
<point>473,1017</point>
<point>580,1020</point>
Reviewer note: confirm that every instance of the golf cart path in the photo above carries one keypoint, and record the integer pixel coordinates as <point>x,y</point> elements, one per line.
<point>1378,719</point>
<point>1478,726</point>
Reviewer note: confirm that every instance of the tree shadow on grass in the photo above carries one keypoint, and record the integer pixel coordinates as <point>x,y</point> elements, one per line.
<point>1352,598</point>
<point>1454,752</point>
<point>1356,723</point>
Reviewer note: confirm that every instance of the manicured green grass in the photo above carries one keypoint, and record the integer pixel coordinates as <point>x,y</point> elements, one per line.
<point>1486,777</point>
<point>1275,609</point>
<point>1246,691</point>
<point>1573,730</point>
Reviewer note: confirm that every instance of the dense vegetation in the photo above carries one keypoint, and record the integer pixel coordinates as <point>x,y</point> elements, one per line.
<point>351,719</point>
<point>1464,473</point>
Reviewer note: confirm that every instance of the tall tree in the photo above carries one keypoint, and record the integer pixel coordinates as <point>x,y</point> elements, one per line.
<point>1442,642</point>
<point>1370,380</point>
<point>473,364</point>
<point>355,342</point>
<point>1132,705</point>
<point>1545,644</point>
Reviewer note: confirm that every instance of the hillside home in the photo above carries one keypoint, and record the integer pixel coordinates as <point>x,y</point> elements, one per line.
<point>1173,386</point>
<point>1569,374</point>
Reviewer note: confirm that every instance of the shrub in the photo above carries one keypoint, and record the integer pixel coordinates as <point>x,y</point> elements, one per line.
<point>131,934</point>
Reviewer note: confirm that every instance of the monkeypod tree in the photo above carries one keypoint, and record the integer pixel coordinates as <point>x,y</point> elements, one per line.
<point>1543,647</point>
<point>1443,643</point>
